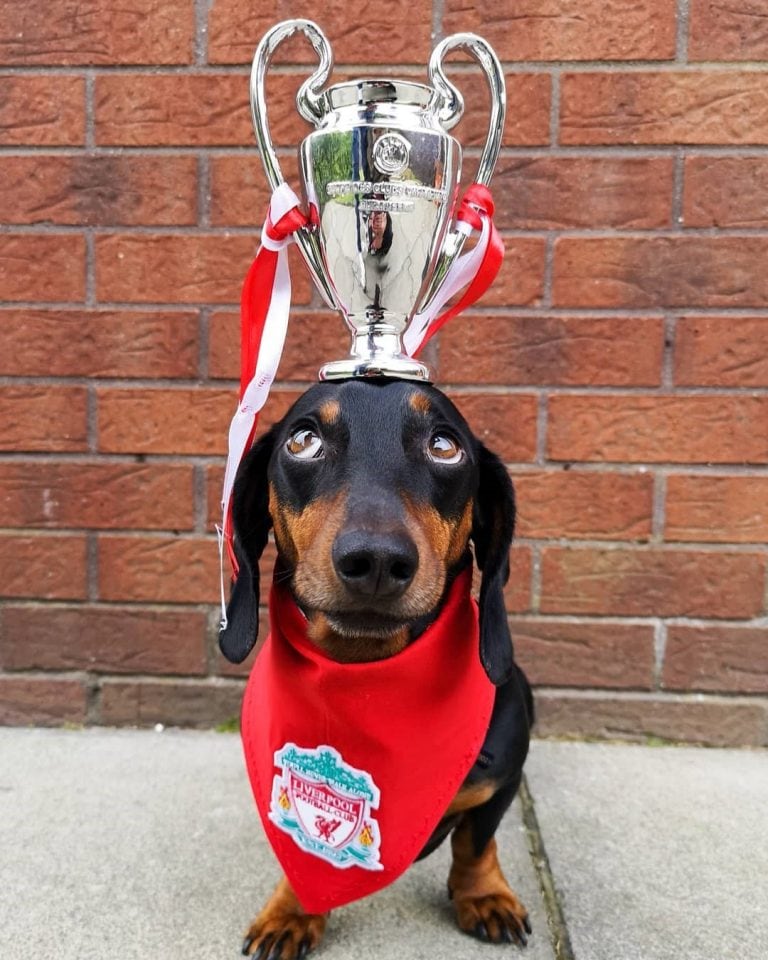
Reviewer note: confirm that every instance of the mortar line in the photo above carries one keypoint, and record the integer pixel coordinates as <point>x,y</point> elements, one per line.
<point>659,651</point>
<point>668,356</point>
<point>681,43</point>
<point>678,188</point>
<point>659,518</point>
<point>202,9</point>
<point>203,190</point>
<point>535,585</point>
<point>200,499</point>
<point>554,109</point>
<point>558,928</point>
<point>437,20</point>
<point>549,260</point>
<point>92,566</point>
<point>542,416</point>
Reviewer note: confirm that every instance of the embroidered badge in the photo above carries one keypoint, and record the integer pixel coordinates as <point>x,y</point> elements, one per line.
<point>325,805</point>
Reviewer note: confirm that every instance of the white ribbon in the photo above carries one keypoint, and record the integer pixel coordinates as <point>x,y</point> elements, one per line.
<point>270,351</point>
<point>461,272</point>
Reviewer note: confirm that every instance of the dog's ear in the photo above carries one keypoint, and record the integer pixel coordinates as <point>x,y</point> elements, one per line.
<point>493,525</point>
<point>251,522</point>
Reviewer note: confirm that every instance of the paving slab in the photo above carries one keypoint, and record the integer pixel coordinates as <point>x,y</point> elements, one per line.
<point>136,845</point>
<point>657,853</point>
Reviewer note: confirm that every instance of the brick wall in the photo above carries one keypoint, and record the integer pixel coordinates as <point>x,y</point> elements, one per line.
<point>620,365</point>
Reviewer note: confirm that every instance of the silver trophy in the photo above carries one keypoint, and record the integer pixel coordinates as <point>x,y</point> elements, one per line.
<point>380,177</point>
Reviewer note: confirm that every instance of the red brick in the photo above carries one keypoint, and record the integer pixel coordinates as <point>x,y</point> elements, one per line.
<point>155,420</point>
<point>555,30</point>
<point>561,351</point>
<point>158,569</point>
<point>713,722</point>
<point>556,193</point>
<point>42,702</point>
<point>42,267</point>
<point>599,506</point>
<point>42,111</point>
<point>520,282</point>
<point>43,568</point>
<point>43,418</point>
<point>527,123</point>
<point>99,191</point>
<point>517,593</point>
<point>658,429</point>
<point>721,352</point>
<point>186,110</point>
<point>96,32</point>
<point>190,704</point>
<point>104,639</point>
<point>642,272</point>
<point>588,654</point>
<point>721,31</point>
<point>99,495</point>
<point>725,192</point>
<point>159,268</point>
<point>698,106</point>
<point>214,481</point>
<point>718,659</point>
<point>504,422</point>
<point>98,343</point>
<point>393,35</point>
<point>329,340</point>
<point>239,190</point>
<point>717,509</point>
<point>652,583</point>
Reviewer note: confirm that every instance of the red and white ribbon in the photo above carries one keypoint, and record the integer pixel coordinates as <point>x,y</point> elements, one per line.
<point>264,307</point>
<point>478,268</point>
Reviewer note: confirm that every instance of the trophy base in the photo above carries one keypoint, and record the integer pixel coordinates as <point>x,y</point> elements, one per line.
<point>400,368</point>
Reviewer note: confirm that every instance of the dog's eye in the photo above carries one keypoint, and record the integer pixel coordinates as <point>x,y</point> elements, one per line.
<point>444,449</point>
<point>305,444</point>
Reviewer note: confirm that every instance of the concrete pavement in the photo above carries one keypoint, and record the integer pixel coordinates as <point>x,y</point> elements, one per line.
<point>137,844</point>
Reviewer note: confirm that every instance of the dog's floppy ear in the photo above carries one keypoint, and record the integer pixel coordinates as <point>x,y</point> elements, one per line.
<point>251,522</point>
<point>493,525</point>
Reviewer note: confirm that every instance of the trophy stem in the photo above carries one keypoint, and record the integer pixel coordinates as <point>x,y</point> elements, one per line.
<point>377,351</point>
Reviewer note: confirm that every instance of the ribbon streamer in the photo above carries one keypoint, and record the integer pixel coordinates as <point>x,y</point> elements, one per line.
<point>265,303</point>
<point>478,268</point>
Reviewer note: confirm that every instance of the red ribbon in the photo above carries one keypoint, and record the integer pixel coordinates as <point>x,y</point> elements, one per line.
<point>257,291</point>
<point>255,300</point>
<point>476,203</point>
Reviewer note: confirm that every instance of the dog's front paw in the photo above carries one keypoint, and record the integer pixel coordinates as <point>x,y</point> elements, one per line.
<point>283,936</point>
<point>283,931</point>
<point>494,918</point>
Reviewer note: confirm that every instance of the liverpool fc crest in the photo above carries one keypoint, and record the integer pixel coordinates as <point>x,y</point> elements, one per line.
<point>325,805</point>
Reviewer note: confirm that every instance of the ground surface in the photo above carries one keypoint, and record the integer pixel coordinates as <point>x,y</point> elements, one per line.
<point>136,845</point>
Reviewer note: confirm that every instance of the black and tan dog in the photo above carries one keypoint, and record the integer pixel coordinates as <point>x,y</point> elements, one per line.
<point>375,489</point>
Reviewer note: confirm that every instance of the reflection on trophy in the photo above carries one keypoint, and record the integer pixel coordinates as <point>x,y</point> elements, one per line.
<point>380,177</point>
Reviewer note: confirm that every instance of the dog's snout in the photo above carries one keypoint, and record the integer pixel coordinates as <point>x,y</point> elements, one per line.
<point>375,564</point>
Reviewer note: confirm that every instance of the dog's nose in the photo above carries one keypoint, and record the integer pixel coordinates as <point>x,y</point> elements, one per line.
<point>375,564</point>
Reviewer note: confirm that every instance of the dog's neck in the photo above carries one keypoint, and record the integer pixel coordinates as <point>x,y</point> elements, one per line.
<point>364,649</point>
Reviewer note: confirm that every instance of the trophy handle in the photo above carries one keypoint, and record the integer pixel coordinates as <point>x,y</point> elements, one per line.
<point>450,104</point>
<point>310,104</point>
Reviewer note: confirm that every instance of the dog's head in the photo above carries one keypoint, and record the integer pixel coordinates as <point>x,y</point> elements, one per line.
<point>374,489</point>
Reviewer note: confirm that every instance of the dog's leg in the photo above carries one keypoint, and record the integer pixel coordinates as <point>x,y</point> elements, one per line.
<point>283,931</point>
<point>486,907</point>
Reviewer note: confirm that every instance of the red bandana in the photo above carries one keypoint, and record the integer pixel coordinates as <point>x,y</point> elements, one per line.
<point>353,764</point>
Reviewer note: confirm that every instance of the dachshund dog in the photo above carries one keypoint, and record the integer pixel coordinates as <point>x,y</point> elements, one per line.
<point>375,490</point>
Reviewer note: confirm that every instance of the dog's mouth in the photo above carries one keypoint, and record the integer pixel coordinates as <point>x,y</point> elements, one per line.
<point>365,623</point>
